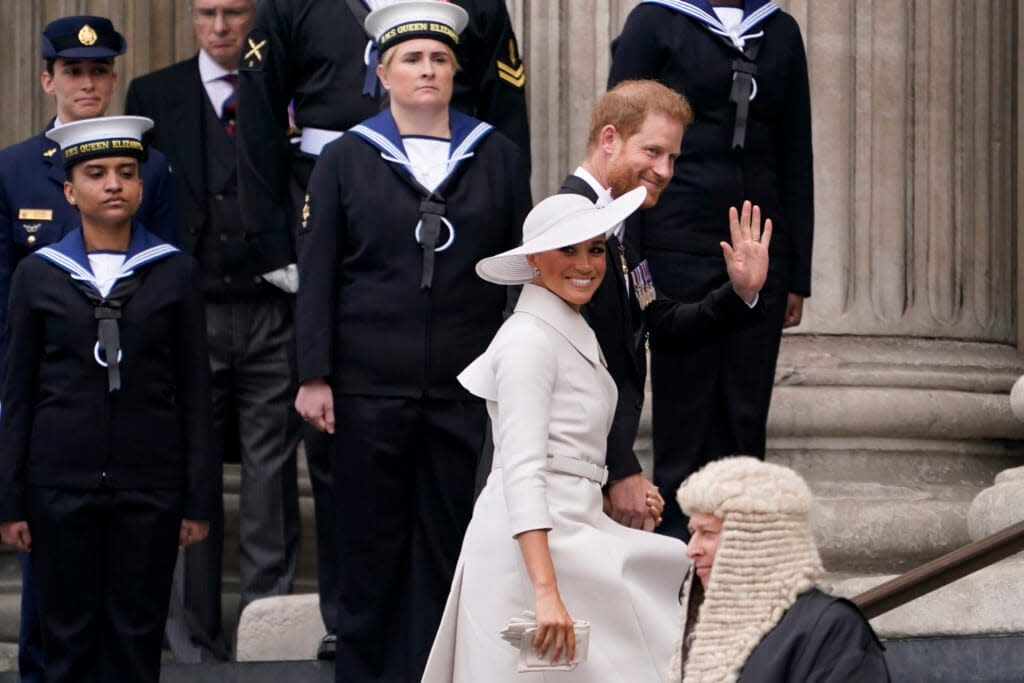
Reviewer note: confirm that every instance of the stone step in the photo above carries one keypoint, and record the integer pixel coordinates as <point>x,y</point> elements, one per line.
<point>985,603</point>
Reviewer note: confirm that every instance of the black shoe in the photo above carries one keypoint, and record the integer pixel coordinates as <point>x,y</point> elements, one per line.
<point>328,647</point>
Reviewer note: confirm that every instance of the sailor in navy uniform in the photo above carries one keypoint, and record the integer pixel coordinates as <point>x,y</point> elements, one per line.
<point>389,311</point>
<point>317,56</point>
<point>743,68</point>
<point>105,458</point>
<point>79,53</point>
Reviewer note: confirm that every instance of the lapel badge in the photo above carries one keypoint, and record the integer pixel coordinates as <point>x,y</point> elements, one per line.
<point>50,152</point>
<point>305,214</point>
<point>87,36</point>
<point>31,228</point>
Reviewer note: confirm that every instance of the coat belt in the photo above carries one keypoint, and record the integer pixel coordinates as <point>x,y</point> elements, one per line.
<point>564,464</point>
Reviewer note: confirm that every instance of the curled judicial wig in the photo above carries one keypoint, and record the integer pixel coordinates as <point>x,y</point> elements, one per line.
<point>104,136</point>
<point>766,558</point>
<point>558,221</point>
<point>405,20</point>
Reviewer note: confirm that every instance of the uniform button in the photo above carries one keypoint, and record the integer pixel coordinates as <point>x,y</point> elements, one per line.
<point>256,278</point>
<point>639,403</point>
<point>219,197</point>
<point>227,279</point>
<point>31,239</point>
<point>223,238</point>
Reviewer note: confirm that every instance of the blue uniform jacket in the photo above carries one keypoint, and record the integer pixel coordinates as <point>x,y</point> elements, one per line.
<point>32,184</point>
<point>62,427</point>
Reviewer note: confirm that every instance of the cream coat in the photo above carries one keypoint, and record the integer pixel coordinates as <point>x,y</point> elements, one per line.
<point>548,393</point>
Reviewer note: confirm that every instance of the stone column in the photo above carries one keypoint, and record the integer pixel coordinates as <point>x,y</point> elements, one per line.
<point>892,396</point>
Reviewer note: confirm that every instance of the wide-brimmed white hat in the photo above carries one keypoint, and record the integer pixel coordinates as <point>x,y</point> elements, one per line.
<point>558,221</point>
<point>407,19</point>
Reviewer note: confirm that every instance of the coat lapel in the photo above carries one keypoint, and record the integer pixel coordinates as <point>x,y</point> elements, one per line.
<point>185,118</point>
<point>547,306</point>
<point>49,152</point>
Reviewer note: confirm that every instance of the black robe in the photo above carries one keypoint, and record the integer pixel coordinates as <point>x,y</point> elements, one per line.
<point>819,639</point>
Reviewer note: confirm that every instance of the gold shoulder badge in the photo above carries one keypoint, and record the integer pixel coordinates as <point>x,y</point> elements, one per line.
<point>509,72</point>
<point>305,214</point>
<point>50,152</point>
<point>255,51</point>
<point>87,36</point>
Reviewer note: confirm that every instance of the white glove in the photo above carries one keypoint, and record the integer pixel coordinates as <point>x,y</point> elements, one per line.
<point>286,279</point>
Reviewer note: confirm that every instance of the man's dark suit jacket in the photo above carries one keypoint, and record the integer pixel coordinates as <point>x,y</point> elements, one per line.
<point>622,330</point>
<point>177,93</point>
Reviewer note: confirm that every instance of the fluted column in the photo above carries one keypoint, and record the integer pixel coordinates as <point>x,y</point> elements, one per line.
<point>913,133</point>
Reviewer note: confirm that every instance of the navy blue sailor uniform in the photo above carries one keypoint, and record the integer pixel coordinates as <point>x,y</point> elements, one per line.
<point>750,139</point>
<point>35,214</point>
<point>315,56</point>
<point>103,458</point>
<point>389,312</point>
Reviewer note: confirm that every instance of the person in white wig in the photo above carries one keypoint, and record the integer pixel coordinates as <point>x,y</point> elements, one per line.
<point>754,613</point>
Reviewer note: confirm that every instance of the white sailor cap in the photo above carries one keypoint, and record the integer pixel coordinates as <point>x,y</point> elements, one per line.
<point>408,19</point>
<point>105,136</point>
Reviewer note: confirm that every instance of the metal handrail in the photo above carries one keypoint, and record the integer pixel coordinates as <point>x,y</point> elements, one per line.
<point>941,571</point>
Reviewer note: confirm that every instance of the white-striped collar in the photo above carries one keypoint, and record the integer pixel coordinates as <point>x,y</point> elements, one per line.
<point>755,11</point>
<point>382,132</point>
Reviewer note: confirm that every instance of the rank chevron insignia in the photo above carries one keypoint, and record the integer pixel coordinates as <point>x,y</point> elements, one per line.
<point>516,77</point>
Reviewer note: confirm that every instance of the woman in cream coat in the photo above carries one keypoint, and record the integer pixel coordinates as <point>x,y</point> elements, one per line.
<point>539,540</point>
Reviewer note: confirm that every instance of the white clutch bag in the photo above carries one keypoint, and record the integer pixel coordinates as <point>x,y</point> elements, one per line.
<point>520,632</point>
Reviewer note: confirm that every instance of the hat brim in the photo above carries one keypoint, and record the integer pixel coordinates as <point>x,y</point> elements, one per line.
<point>85,53</point>
<point>512,268</point>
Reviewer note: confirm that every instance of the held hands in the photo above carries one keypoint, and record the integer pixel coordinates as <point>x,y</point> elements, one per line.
<point>794,311</point>
<point>192,531</point>
<point>17,535</point>
<point>635,502</point>
<point>315,404</point>
<point>555,631</point>
<point>746,259</point>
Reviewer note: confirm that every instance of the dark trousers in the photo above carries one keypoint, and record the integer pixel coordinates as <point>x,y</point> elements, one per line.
<point>403,482</point>
<point>103,560</point>
<point>252,362</point>
<point>712,400</point>
<point>30,638</point>
<point>318,459</point>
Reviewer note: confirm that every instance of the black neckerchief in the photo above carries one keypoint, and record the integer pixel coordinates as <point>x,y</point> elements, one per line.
<point>108,311</point>
<point>744,69</point>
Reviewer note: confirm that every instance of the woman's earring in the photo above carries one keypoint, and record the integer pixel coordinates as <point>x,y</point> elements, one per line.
<point>536,271</point>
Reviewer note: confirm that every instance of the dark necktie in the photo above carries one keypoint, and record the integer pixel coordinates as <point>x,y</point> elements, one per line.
<point>229,109</point>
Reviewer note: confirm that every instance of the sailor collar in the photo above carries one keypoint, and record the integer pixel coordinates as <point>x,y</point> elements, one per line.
<point>754,13</point>
<point>69,255</point>
<point>382,132</point>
